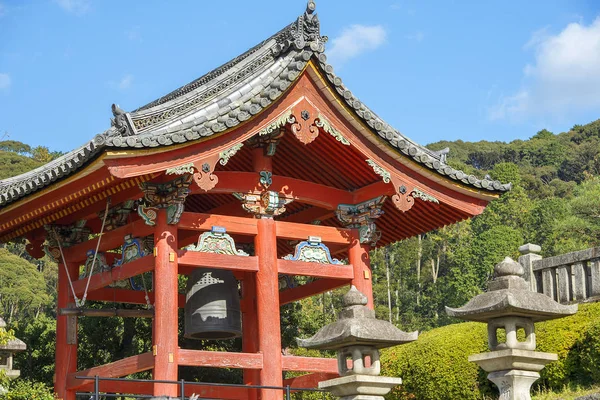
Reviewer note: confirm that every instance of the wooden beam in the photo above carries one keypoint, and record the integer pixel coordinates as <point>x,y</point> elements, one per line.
<point>204,222</point>
<point>117,369</point>
<point>220,261</point>
<point>126,296</point>
<point>121,387</point>
<point>302,191</point>
<point>310,364</point>
<point>332,271</point>
<point>110,240</point>
<point>125,271</point>
<point>106,312</point>
<point>220,359</point>
<point>310,289</point>
<point>309,215</point>
<point>308,381</point>
<point>328,234</point>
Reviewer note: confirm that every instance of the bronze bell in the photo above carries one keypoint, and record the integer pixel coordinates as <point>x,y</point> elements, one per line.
<point>212,305</point>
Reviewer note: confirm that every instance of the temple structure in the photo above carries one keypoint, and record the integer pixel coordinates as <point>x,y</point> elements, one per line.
<point>269,153</point>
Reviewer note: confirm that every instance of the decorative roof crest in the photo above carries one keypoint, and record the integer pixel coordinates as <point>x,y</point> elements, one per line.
<point>305,32</point>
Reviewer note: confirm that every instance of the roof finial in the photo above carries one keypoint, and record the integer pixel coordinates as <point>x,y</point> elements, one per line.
<point>311,6</point>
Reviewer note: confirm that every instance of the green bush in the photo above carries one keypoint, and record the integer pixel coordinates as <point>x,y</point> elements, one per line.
<point>435,367</point>
<point>25,390</point>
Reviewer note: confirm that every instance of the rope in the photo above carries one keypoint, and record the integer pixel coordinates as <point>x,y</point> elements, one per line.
<point>64,263</point>
<point>87,285</point>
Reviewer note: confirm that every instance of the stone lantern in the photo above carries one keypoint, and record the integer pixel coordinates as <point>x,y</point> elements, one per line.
<point>6,356</point>
<point>357,337</point>
<point>509,306</point>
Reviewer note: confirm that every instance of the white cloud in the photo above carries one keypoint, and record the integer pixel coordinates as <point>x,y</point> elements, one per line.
<point>77,7</point>
<point>355,40</point>
<point>4,81</point>
<point>564,77</point>
<point>125,82</point>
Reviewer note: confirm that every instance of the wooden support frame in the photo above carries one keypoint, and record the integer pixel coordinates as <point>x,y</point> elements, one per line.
<point>309,364</point>
<point>219,261</point>
<point>125,271</point>
<point>204,222</point>
<point>331,271</point>
<point>117,369</point>
<point>308,380</point>
<point>220,359</point>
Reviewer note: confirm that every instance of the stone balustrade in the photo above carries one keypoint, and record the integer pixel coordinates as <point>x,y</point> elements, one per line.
<point>567,278</point>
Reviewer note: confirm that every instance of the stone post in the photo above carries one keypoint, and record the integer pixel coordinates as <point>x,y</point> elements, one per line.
<point>510,305</point>
<point>530,253</point>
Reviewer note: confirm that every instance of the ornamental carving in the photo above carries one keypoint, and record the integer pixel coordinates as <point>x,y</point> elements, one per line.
<point>312,250</point>
<point>379,170</point>
<point>361,216</point>
<point>63,236</point>
<point>131,250</point>
<point>121,121</point>
<point>418,194</point>
<point>204,175</point>
<point>305,32</point>
<point>169,195</point>
<point>303,122</point>
<point>217,241</point>
<point>267,204</point>
<point>403,199</point>
<point>119,215</point>
<point>325,125</point>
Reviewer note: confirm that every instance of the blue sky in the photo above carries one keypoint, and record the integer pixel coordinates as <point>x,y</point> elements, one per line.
<point>450,70</point>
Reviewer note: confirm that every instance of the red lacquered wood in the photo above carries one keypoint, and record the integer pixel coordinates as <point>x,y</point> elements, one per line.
<point>310,289</point>
<point>125,271</point>
<point>331,271</point>
<point>110,240</point>
<point>310,364</point>
<point>250,329</point>
<point>220,359</point>
<point>220,261</point>
<point>308,380</point>
<point>165,325</point>
<point>293,231</point>
<point>117,369</point>
<point>204,222</point>
<point>66,354</point>
<point>267,304</point>
<point>358,255</point>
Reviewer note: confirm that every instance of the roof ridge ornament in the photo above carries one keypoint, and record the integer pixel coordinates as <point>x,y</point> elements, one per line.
<point>304,33</point>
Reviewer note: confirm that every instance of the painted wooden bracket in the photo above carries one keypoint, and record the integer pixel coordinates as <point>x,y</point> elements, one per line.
<point>303,125</point>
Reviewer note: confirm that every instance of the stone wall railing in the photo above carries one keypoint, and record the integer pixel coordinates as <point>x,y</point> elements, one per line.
<point>571,277</point>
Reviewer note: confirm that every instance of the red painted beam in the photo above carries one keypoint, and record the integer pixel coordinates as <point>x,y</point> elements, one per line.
<point>121,387</point>
<point>310,364</point>
<point>332,271</point>
<point>308,381</point>
<point>310,289</point>
<point>131,269</point>
<point>117,369</point>
<point>110,240</point>
<point>328,234</point>
<point>220,261</point>
<point>220,359</point>
<point>204,222</point>
<point>126,296</point>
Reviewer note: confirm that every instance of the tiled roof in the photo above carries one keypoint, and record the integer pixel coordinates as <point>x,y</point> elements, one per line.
<point>224,98</point>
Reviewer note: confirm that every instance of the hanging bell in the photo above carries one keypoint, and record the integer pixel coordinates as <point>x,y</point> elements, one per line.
<point>212,305</point>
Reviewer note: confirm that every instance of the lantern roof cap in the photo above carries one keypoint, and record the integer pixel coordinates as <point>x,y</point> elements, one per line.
<point>509,295</point>
<point>357,326</point>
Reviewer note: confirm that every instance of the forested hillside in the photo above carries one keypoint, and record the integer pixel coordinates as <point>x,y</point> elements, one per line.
<point>555,202</point>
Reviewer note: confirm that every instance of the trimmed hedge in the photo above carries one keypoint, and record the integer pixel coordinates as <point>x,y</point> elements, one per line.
<point>435,367</point>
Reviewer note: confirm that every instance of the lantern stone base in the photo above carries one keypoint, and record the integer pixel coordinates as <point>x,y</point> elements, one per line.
<point>513,371</point>
<point>360,387</point>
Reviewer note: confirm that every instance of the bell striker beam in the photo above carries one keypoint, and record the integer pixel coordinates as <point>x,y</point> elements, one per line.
<point>165,325</point>
<point>66,336</point>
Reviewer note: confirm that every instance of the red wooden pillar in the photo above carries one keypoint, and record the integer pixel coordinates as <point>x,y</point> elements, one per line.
<point>66,336</point>
<point>358,255</point>
<point>267,302</point>
<point>250,330</point>
<point>165,326</point>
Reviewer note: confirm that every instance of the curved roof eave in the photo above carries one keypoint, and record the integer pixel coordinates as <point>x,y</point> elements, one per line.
<point>223,99</point>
